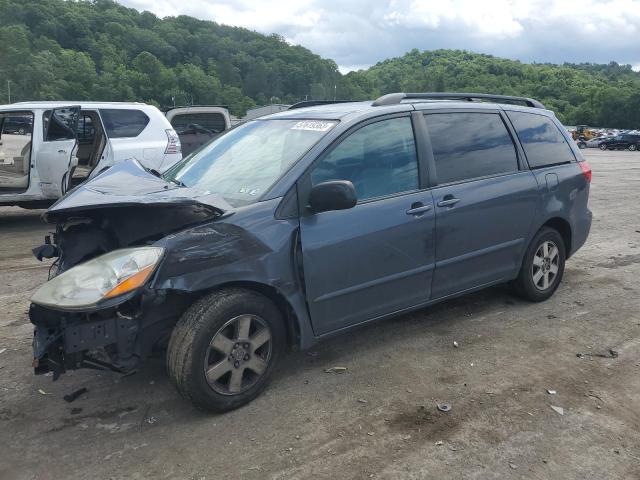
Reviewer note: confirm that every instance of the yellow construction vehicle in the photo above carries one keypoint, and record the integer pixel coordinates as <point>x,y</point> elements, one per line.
<point>582,132</point>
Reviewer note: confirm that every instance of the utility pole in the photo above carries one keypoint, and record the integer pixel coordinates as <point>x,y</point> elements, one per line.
<point>335,90</point>
<point>9,90</point>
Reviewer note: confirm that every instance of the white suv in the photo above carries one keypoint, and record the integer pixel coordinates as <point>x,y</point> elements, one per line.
<point>48,147</point>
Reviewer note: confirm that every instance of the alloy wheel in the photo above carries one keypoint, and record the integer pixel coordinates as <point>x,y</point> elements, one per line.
<point>603,146</point>
<point>546,262</point>
<point>633,147</point>
<point>238,355</point>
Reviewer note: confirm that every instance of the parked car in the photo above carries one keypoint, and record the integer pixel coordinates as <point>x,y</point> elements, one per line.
<point>21,125</point>
<point>304,224</point>
<point>197,125</point>
<point>71,142</point>
<point>621,142</point>
<point>594,142</point>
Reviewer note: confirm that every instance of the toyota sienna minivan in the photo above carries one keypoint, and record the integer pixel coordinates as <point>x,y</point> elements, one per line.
<point>300,225</point>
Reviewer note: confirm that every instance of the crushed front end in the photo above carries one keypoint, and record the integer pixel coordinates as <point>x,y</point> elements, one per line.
<point>118,336</point>
<point>99,308</point>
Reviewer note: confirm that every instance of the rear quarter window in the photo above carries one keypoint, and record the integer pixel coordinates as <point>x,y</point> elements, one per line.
<point>123,123</point>
<point>470,145</point>
<point>543,143</point>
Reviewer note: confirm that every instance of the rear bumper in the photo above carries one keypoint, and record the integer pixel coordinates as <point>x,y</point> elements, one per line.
<point>580,232</point>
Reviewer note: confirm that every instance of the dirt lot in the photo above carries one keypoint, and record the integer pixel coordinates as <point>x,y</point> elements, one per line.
<point>378,420</point>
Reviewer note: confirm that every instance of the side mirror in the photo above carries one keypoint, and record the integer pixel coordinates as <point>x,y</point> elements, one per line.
<point>333,195</point>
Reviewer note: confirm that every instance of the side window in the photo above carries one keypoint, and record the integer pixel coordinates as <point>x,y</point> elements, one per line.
<point>470,145</point>
<point>541,139</point>
<point>61,126</point>
<point>121,123</point>
<point>379,159</point>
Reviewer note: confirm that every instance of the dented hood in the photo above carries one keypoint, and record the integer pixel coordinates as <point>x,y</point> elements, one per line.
<point>130,184</point>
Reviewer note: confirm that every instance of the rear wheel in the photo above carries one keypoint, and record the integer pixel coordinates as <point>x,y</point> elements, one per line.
<point>602,146</point>
<point>633,147</point>
<point>224,349</point>
<point>542,266</point>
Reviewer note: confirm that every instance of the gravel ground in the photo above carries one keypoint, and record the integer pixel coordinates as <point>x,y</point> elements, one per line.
<point>379,419</point>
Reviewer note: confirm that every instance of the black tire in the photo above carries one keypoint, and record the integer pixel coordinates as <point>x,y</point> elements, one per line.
<point>193,334</point>
<point>524,284</point>
<point>633,147</point>
<point>582,145</point>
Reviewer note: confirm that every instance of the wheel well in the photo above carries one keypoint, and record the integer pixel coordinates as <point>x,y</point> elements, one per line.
<point>564,229</point>
<point>288,314</point>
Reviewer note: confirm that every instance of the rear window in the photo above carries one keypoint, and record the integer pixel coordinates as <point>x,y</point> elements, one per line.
<point>210,122</point>
<point>123,123</point>
<point>543,143</point>
<point>470,145</point>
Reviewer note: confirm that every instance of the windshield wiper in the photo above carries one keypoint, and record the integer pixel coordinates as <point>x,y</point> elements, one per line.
<point>177,182</point>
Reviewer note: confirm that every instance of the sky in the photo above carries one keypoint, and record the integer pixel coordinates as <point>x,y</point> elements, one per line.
<point>359,33</point>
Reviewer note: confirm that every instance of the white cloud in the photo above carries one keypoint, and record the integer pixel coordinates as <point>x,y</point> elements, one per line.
<point>357,33</point>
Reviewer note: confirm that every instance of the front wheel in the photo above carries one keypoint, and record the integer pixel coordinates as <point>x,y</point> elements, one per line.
<point>633,147</point>
<point>542,266</point>
<point>602,147</point>
<point>224,349</point>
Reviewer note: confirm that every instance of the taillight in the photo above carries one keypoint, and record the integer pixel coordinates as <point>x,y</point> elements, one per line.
<point>173,142</point>
<point>586,170</point>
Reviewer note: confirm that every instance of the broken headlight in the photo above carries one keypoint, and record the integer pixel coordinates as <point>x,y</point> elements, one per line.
<point>107,276</point>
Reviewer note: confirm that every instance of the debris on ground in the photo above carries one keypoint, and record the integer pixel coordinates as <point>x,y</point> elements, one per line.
<point>2,350</point>
<point>42,392</point>
<point>593,394</point>
<point>444,407</point>
<point>74,396</point>
<point>439,442</point>
<point>371,434</point>
<point>513,465</point>
<point>336,370</point>
<point>611,354</point>
<point>362,400</point>
<point>151,420</point>
<point>456,344</point>
<point>559,410</point>
<point>551,392</point>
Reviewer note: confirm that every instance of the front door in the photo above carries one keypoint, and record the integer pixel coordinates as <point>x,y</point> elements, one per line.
<point>484,202</point>
<point>56,159</point>
<point>377,257</point>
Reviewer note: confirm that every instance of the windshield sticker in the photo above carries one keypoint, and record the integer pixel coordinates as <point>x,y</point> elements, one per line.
<point>313,126</point>
<point>249,191</point>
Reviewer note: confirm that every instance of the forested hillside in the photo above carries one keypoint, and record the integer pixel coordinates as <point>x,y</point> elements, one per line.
<point>99,50</point>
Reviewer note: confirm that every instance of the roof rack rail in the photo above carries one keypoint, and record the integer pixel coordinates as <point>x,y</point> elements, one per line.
<point>313,103</point>
<point>395,98</point>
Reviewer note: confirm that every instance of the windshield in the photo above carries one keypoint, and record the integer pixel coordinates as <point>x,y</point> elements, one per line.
<point>245,162</point>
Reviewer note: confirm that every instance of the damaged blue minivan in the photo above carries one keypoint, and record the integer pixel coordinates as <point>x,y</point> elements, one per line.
<point>304,224</point>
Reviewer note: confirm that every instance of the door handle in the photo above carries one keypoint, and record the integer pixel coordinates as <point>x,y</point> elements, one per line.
<point>62,151</point>
<point>448,202</point>
<point>418,209</point>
